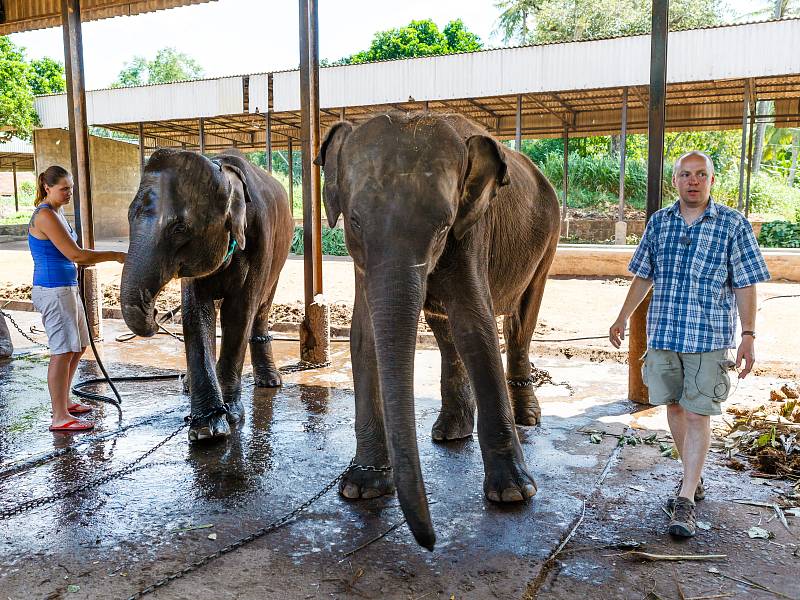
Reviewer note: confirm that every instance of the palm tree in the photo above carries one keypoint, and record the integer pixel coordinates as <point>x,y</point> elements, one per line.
<point>515,19</point>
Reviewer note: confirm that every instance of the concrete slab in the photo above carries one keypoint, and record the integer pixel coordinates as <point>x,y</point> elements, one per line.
<point>119,537</point>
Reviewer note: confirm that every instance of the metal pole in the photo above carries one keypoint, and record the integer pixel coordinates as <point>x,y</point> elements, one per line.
<point>79,154</point>
<point>202,135</point>
<point>623,140</point>
<point>141,149</point>
<point>269,142</point>
<point>518,131</point>
<point>78,122</point>
<point>749,165</point>
<point>16,192</point>
<point>565,183</point>
<point>745,111</point>
<point>290,156</point>
<point>315,329</point>
<point>637,340</point>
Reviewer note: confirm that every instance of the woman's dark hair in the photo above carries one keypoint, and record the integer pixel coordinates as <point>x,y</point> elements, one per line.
<point>50,177</point>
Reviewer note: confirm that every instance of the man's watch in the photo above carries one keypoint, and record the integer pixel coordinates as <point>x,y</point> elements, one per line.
<point>750,333</point>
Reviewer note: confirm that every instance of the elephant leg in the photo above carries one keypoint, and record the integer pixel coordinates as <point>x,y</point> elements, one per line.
<point>199,334</point>
<point>371,450</point>
<point>471,316</point>
<point>265,372</point>
<point>237,321</point>
<point>457,419</point>
<point>518,330</point>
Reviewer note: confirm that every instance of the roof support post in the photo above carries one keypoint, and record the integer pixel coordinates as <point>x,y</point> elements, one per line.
<point>141,149</point>
<point>637,340</point>
<point>290,160</point>
<point>79,153</point>
<point>268,148</point>
<point>342,112</point>
<point>518,125</point>
<point>621,229</point>
<point>315,329</point>
<point>16,191</point>
<point>565,182</point>
<point>745,111</point>
<point>749,163</point>
<point>202,135</point>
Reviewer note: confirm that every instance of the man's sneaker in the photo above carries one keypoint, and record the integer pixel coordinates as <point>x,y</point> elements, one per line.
<point>699,494</point>
<point>683,522</point>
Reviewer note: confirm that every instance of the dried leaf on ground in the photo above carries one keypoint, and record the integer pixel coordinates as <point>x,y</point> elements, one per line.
<point>759,533</point>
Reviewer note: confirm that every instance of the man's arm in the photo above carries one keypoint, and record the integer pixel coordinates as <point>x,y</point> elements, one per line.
<point>746,300</point>
<point>636,293</point>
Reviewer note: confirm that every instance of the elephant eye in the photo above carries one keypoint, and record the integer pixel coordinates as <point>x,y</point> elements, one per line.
<point>354,222</point>
<point>179,227</point>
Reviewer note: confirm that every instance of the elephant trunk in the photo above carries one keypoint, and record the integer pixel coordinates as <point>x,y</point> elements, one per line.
<point>395,300</point>
<point>142,279</point>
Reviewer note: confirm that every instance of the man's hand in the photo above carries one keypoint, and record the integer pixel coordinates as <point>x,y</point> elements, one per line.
<point>617,332</point>
<point>747,354</point>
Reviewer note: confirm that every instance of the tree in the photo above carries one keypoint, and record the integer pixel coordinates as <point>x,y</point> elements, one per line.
<point>47,77</point>
<point>168,65</point>
<point>418,38</point>
<point>17,116</point>
<point>542,21</point>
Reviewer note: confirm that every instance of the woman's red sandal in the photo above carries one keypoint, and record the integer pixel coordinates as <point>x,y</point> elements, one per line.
<point>73,425</point>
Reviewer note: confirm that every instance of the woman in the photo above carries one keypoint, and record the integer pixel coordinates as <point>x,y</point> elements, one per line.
<point>52,242</point>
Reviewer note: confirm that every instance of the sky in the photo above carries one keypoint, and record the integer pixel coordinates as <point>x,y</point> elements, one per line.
<point>231,37</point>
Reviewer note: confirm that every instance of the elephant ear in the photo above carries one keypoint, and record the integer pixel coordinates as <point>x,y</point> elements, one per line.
<point>485,172</point>
<point>328,159</point>
<point>238,197</point>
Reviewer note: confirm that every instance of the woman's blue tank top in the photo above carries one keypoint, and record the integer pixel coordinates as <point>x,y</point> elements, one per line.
<point>50,267</point>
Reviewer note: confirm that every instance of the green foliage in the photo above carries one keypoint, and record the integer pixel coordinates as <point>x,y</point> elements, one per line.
<point>47,77</point>
<point>27,190</point>
<point>17,116</point>
<point>769,194</point>
<point>541,21</point>
<point>168,65</point>
<point>332,241</point>
<point>418,38</point>
<point>780,234</point>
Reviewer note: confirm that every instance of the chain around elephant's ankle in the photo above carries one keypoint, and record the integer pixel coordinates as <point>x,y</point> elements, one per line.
<point>193,420</point>
<point>356,467</point>
<point>261,339</point>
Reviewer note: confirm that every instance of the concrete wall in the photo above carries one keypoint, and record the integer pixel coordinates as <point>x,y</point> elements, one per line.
<point>114,173</point>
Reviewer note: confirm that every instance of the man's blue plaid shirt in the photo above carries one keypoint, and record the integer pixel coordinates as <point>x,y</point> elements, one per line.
<point>694,270</point>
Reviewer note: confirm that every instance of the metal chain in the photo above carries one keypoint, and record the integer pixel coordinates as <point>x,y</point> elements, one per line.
<point>303,366</point>
<point>18,328</point>
<point>256,535</point>
<point>44,500</point>
<point>538,378</point>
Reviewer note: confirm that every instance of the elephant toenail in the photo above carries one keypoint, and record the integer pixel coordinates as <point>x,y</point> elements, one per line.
<point>350,491</point>
<point>370,493</point>
<point>512,495</point>
<point>530,490</point>
<point>493,496</point>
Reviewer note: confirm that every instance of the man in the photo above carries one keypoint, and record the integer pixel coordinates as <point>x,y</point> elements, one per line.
<point>703,262</point>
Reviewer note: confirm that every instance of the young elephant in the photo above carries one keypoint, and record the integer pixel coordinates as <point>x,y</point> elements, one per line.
<point>224,227</point>
<point>439,216</point>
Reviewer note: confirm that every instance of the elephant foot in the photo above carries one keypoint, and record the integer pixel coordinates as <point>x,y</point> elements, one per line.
<point>267,377</point>
<point>453,426</point>
<point>508,481</point>
<point>213,428</point>
<point>359,483</point>
<point>526,406</point>
<point>235,412</point>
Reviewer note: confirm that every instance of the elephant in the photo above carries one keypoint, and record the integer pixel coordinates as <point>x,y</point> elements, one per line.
<point>439,217</point>
<point>224,227</point>
<point>6,345</point>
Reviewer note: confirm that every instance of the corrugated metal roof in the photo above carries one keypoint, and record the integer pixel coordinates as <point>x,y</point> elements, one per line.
<point>26,15</point>
<point>16,146</point>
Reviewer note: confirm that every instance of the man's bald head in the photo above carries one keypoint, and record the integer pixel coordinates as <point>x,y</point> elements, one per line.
<point>696,153</point>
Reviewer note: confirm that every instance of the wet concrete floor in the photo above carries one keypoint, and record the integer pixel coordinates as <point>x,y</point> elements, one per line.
<point>119,537</point>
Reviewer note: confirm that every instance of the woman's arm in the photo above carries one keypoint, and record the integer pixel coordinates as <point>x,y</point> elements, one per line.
<point>48,223</point>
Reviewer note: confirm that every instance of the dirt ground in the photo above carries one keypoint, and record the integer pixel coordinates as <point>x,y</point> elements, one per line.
<point>603,465</point>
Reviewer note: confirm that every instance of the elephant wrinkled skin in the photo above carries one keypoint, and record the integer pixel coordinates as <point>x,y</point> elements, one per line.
<point>224,227</point>
<point>440,217</point>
